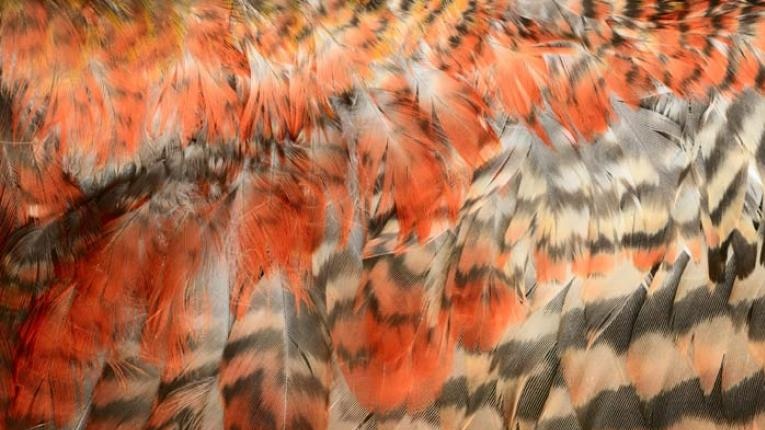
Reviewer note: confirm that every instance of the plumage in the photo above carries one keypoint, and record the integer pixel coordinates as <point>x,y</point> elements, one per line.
<point>367,214</point>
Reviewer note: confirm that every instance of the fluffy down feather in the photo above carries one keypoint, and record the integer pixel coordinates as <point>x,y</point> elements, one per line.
<point>365,214</point>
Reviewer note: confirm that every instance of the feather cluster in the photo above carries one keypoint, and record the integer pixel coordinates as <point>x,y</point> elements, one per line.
<point>363,214</point>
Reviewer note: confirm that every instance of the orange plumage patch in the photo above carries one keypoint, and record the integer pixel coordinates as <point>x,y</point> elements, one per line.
<point>70,325</point>
<point>388,346</point>
<point>396,141</point>
<point>284,213</point>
